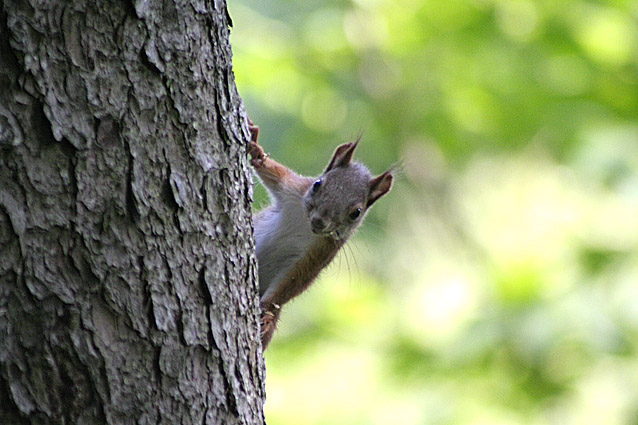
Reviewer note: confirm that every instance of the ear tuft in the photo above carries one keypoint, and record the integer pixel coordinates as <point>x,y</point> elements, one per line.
<point>342,155</point>
<point>379,186</point>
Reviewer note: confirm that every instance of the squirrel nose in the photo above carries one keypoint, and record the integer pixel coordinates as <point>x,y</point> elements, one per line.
<point>317,223</point>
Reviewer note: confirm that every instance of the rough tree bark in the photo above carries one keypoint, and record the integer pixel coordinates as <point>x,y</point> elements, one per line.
<point>127,274</point>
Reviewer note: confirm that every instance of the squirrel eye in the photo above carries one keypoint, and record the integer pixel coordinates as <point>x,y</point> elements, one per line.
<point>316,185</point>
<point>355,214</point>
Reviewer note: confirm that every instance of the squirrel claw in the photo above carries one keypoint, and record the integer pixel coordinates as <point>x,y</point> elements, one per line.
<point>267,322</point>
<point>269,318</point>
<point>254,131</point>
<point>257,155</point>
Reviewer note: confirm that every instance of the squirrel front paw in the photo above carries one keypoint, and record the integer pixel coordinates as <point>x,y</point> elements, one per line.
<point>269,317</point>
<point>267,322</point>
<point>257,155</point>
<point>256,152</point>
<point>254,131</point>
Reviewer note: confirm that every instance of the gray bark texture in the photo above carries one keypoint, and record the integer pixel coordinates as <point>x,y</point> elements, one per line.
<point>127,270</point>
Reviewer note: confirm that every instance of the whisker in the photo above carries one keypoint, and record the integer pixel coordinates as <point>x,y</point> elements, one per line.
<point>349,249</point>
<point>368,241</point>
<point>345,255</point>
<point>369,233</point>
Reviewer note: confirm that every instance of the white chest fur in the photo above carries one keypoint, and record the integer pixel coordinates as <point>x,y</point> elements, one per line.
<point>282,235</point>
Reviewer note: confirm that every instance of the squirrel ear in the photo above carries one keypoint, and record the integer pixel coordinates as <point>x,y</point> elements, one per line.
<point>379,186</point>
<point>342,155</point>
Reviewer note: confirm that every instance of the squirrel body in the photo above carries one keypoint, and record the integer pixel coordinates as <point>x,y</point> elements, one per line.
<point>309,220</point>
<point>282,235</point>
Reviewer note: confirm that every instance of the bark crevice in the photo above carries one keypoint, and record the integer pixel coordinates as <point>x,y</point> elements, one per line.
<point>127,274</point>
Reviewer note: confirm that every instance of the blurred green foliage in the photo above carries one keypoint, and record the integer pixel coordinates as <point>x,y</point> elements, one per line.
<point>497,283</point>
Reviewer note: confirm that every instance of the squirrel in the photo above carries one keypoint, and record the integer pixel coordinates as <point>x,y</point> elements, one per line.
<point>309,220</point>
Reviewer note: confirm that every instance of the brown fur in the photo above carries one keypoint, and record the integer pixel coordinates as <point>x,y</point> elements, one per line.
<point>297,280</point>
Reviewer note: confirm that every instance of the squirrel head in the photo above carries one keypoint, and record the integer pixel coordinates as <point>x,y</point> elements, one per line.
<point>339,198</point>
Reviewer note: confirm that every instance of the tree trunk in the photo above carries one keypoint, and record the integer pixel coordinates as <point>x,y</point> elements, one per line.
<point>127,272</point>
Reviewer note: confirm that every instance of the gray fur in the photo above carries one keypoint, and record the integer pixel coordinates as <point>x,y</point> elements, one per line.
<point>343,189</point>
<point>283,231</point>
<point>282,235</point>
